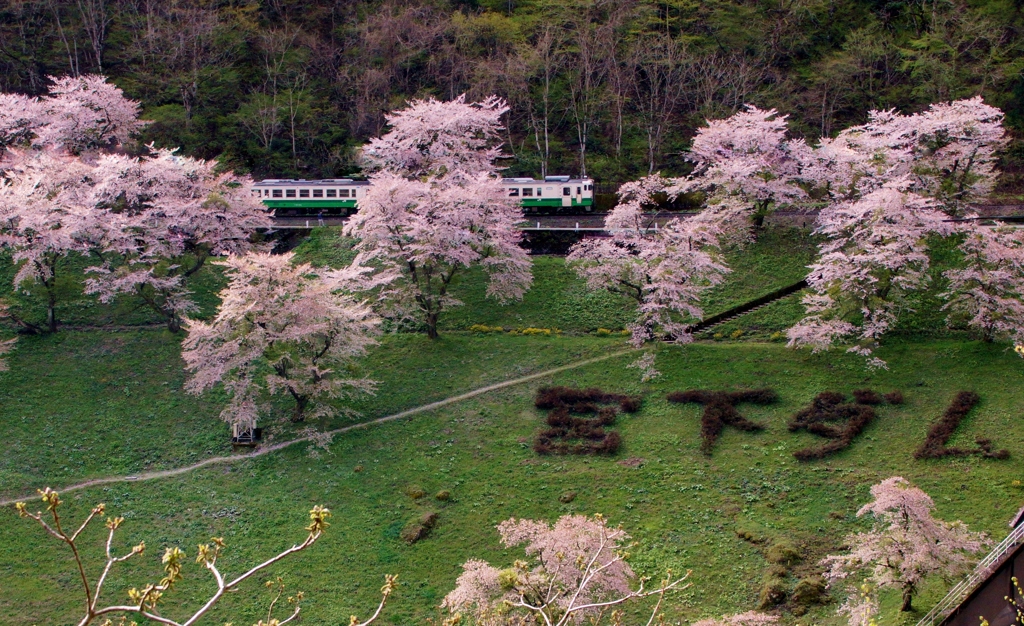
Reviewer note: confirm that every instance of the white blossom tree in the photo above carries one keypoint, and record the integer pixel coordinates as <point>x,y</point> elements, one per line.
<point>46,214</point>
<point>746,166</point>
<point>86,112</point>
<point>166,216</point>
<point>889,184</point>
<point>282,327</point>
<point>665,270</point>
<point>148,601</point>
<point>576,572</point>
<point>905,545</point>
<point>436,207</point>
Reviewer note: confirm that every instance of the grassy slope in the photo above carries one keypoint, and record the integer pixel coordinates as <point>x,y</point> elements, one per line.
<point>87,404</point>
<point>686,509</point>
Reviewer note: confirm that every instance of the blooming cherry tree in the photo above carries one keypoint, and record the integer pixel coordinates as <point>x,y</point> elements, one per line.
<point>86,112</point>
<point>169,214</point>
<point>284,328</point>
<point>665,270</point>
<point>906,544</point>
<point>889,184</point>
<point>576,572</point>
<point>436,207</point>
<point>746,166</point>
<point>46,213</point>
<point>874,254</point>
<point>988,291</point>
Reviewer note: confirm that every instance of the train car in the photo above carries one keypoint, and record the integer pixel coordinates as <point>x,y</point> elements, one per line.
<point>339,196</point>
<point>553,194</point>
<point>334,196</point>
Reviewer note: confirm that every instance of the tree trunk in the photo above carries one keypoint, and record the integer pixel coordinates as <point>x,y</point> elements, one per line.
<point>908,596</point>
<point>174,323</point>
<point>432,325</point>
<point>51,311</point>
<point>299,414</point>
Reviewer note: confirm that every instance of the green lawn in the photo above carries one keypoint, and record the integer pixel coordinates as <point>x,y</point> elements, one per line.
<point>684,508</point>
<point>79,405</point>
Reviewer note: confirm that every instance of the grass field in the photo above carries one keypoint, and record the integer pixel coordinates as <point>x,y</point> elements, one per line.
<point>87,404</point>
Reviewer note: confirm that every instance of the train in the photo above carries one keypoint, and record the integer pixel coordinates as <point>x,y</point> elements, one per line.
<point>340,196</point>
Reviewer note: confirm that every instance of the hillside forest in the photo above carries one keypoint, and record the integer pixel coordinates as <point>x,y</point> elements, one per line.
<point>614,89</point>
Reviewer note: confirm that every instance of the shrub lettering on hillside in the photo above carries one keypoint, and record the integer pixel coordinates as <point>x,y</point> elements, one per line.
<point>578,419</point>
<point>934,446</point>
<point>720,411</point>
<point>832,417</point>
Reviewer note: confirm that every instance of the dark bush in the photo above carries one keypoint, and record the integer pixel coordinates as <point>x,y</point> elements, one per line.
<point>720,411</point>
<point>419,528</point>
<point>866,396</point>
<point>783,553</point>
<point>934,446</point>
<point>773,592</point>
<point>894,397</point>
<point>572,430</point>
<point>830,416</point>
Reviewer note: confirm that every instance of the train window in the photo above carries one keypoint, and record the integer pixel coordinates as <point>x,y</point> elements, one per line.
<point>304,193</point>
<point>566,191</point>
<point>343,193</point>
<point>277,193</point>
<point>331,193</point>
<point>538,192</point>
<point>578,191</point>
<point>513,192</point>
<point>527,192</point>
<point>289,193</point>
<point>266,193</point>
<point>318,193</point>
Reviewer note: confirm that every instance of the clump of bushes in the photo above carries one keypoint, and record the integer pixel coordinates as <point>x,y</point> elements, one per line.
<point>934,446</point>
<point>578,418</point>
<point>808,592</point>
<point>419,528</point>
<point>443,496</point>
<point>484,328</point>
<point>720,411</point>
<point>736,334</point>
<point>828,410</point>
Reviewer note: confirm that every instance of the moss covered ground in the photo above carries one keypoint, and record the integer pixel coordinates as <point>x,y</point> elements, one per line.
<point>84,404</point>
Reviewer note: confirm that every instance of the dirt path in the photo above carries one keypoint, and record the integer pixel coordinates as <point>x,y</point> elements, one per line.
<point>221,460</point>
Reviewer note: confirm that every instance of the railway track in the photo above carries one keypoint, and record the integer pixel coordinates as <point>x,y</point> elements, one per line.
<point>594,222</point>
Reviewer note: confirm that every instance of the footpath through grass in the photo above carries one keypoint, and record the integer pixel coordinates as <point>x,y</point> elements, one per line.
<point>688,511</point>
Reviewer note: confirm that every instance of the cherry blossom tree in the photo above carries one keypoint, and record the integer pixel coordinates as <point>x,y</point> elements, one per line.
<point>665,269</point>
<point>167,215</point>
<point>576,571</point>
<point>284,328</point>
<point>747,166</point>
<point>436,207</point>
<point>906,543</point>
<point>86,112</point>
<point>750,618</point>
<point>874,254</point>
<point>148,601</point>
<point>889,184</point>
<point>988,291</point>
<point>46,213</point>
<point>19,117</point>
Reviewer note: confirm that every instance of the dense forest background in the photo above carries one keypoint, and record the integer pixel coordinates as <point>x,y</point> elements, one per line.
<point>610,88</point>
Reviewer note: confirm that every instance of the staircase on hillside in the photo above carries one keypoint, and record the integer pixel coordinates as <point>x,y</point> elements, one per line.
<point>747,307</point>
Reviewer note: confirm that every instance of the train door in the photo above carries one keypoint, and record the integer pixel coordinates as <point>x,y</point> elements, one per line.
<point>566,196</point>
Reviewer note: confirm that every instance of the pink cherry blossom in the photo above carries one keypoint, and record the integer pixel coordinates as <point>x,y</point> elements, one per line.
<point>750,618</point>
<point>576,570</point>
<point>282,327</point>
<point>906,543</point>
<point>173,213</point>
<point>665,270</point>
<point>84,112</point>
<point>437,207</point>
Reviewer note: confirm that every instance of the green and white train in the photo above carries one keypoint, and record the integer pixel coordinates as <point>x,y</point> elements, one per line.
<point>339,196</point>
